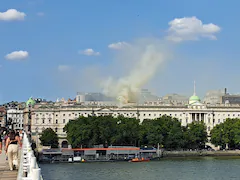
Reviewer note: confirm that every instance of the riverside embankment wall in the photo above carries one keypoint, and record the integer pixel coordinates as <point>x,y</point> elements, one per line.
<point>200,153</point>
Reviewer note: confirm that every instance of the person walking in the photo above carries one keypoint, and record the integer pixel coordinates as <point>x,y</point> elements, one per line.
<point>11,149</point>
<point>1,146</point>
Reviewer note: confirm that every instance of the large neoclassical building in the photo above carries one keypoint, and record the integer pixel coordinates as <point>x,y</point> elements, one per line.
<point>57,115</point>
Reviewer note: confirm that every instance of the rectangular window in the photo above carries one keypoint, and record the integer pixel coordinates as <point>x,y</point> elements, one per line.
<point>56,121</point>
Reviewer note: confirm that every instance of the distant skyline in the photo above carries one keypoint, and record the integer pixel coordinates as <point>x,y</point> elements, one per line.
<point>54,49</point>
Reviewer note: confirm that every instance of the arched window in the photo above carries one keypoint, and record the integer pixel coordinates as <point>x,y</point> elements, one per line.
<point>64,144</point>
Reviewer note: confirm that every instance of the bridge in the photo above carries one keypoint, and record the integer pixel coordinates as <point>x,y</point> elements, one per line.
<point>28,168</point>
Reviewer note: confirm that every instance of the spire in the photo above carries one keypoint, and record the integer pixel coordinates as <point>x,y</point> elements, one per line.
<point>194,88</point>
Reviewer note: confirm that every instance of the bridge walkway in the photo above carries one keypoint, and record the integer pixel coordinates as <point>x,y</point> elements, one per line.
<point>5,173</point>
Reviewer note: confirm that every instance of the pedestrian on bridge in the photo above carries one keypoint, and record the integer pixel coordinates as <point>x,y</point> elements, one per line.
<point>11,148</point>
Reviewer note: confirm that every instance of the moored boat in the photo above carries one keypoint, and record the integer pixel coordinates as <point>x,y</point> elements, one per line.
<point>139,160</point>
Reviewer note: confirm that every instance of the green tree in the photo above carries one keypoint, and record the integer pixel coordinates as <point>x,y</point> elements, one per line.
<point>127,131</point>
<point>164,130</point>
<point>195,135</point>
<point>172,132</point>
<point>106,130</point>
<point>79,132</point>
<point>227,134</point>
<point>150,133</point>
<point>49,138</point>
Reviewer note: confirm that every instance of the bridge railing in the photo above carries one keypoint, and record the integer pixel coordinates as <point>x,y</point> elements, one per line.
<point>28,167</point>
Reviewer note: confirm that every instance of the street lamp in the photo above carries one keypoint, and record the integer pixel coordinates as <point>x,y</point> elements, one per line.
<point>36,137</point>
<point>29,119</point>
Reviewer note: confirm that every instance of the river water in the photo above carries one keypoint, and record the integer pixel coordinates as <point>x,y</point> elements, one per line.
<point>206,168</point>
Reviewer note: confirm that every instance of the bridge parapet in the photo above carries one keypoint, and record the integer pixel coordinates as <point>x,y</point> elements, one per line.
<point>28,167</point>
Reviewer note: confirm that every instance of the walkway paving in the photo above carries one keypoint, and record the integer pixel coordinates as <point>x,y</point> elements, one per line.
<point>5,173</point>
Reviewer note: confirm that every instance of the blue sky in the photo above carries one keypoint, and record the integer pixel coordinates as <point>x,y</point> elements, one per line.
<point>57,44</point>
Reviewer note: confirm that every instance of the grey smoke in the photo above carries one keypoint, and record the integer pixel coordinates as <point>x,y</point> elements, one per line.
<point>142,60</point>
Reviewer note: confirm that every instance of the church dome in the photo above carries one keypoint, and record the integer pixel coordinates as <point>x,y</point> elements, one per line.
<point>30,102</point>
<point>194,99</point>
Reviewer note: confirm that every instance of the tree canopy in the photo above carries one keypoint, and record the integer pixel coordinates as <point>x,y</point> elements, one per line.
<point>195,135</point>
<point>49,138</point>
<point>227,134</point>
<point>108,130</point>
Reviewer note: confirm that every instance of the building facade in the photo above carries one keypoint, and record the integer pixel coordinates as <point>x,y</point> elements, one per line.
<point>56,116</point>
<point>15,118</point>
<point>3,117</point>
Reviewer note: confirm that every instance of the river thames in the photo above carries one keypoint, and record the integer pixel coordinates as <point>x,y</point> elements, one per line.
<point>207,168</point>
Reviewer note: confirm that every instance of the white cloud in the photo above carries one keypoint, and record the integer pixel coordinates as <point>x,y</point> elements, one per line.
<point>63,68</point>
<point>12,15</point>
<point>191,28</point>
<point>118,45</point>
<point>40,14</point>
<point>17,55</point>
<point>89,52</point>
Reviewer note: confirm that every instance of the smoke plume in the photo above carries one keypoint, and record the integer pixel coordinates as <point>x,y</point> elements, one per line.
<point>142,60</point>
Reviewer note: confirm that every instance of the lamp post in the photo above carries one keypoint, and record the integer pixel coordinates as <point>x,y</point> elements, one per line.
<point>36,137</point>
<point>29,119</point>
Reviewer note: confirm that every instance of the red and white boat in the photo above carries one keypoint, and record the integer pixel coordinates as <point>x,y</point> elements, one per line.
<point>139,160</point>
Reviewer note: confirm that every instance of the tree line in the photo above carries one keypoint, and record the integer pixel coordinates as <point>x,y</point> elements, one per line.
<point>166,131</point>
<point>227,134</point>
<point>108,130</point>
